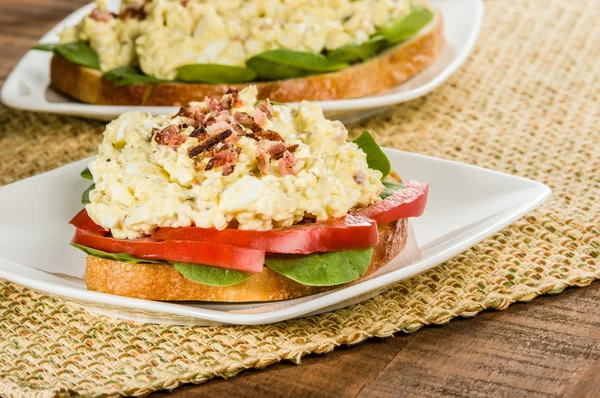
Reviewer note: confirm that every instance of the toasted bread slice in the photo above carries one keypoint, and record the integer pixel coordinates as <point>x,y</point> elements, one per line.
<point>382,72</point>
<point>163,282</point>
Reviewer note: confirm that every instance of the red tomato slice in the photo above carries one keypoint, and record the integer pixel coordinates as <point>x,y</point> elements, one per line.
<point>407,202</point>
<point>348,233</point>
<point>205,253</point>
<point>83,221</point>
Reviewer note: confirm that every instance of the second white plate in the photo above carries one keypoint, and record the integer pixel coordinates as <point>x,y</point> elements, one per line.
<point>27,87</point>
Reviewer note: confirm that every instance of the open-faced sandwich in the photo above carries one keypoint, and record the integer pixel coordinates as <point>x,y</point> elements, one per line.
<point>172,52</point>
<point>239,200</point>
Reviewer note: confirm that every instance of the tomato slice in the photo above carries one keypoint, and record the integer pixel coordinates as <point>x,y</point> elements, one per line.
<point>205,253</point>
<point>407,202</point>
<point>347,233</point>
<point>83,221</point>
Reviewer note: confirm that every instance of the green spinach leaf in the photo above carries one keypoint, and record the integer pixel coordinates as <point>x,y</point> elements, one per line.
<point>126,75</point>
<point>211,276</point>
<point>85,197</point>
<point>79,53</point>
<point>268,70</point>
<point>322,269</point>
<point>390,188</point>
<point>409,26</point>
<point>355,52</point>
<point>376,159</point>
<point>284,64</point>
<point>45,47</point>
<point>87,174</point>
<point>125,257</point>
<point>215,73</point>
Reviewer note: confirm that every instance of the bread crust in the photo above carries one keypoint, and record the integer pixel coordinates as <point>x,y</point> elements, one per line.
<point>382,72</point>
<point>163,282</point>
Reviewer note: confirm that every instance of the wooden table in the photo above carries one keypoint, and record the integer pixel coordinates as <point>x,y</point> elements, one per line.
<point>549,347</point>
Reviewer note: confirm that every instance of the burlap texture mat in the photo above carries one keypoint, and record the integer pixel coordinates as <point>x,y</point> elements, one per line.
<point>526,103</point>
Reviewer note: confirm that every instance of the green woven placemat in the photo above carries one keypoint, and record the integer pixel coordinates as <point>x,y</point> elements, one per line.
<point>526,103</point>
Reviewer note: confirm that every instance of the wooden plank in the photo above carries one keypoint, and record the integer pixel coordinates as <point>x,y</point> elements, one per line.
<point>23,23</point>
<point>549,347</point>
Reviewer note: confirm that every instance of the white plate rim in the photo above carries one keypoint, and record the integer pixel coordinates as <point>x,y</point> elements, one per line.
<point>64,290</point>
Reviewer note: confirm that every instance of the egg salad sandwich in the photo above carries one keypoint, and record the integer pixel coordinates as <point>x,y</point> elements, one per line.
<point>172,52</point>
<point>239,200</point>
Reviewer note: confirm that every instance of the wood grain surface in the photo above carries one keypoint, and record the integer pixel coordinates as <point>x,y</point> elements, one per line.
<point>548,347</point>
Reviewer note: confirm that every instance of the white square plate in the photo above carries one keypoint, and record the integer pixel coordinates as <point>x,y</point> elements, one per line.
<point>466,205</point>
<point>27,86</point>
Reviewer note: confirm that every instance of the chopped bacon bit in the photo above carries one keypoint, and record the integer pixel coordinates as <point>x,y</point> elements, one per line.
<point>199,132</point>
<point>277,151</point>
<point>259,117</point>
<point>255,128</point>
<point>184,111</point>
<point>189,122</point>
<point>214,105</point>
<point>184,3</point>
<point>170,139</point>
<point>211,164</point>
<point>191,112</point>
<point>169,136</point>
<point>195,151</point>
<point>225,158</point>
<point>217,127</point>
<point>224,147</point>
<point>252,135</point>
<point>259,133</point>
<point>286,164</point>
<point>172,129</point>
<point>278,155</point>
<point>235,99</point>
<point>262,160</point>
<point>228,169</point>
<point>227,101</point>
<point>209,120</point>
<point>209,143</point>
<point>216,150</point>
<point>237,129</point>
<point>271,135</point>
<point>267,108</point>
<point>101,15</point>
<point>234,138</point>
<point>244,119</point>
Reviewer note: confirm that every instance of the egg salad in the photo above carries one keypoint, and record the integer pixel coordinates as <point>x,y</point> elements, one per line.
<point>233,162</point>
<point>160,36</point>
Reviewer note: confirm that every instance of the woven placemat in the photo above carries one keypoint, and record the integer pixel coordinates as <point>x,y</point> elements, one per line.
<point>526,103</point>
